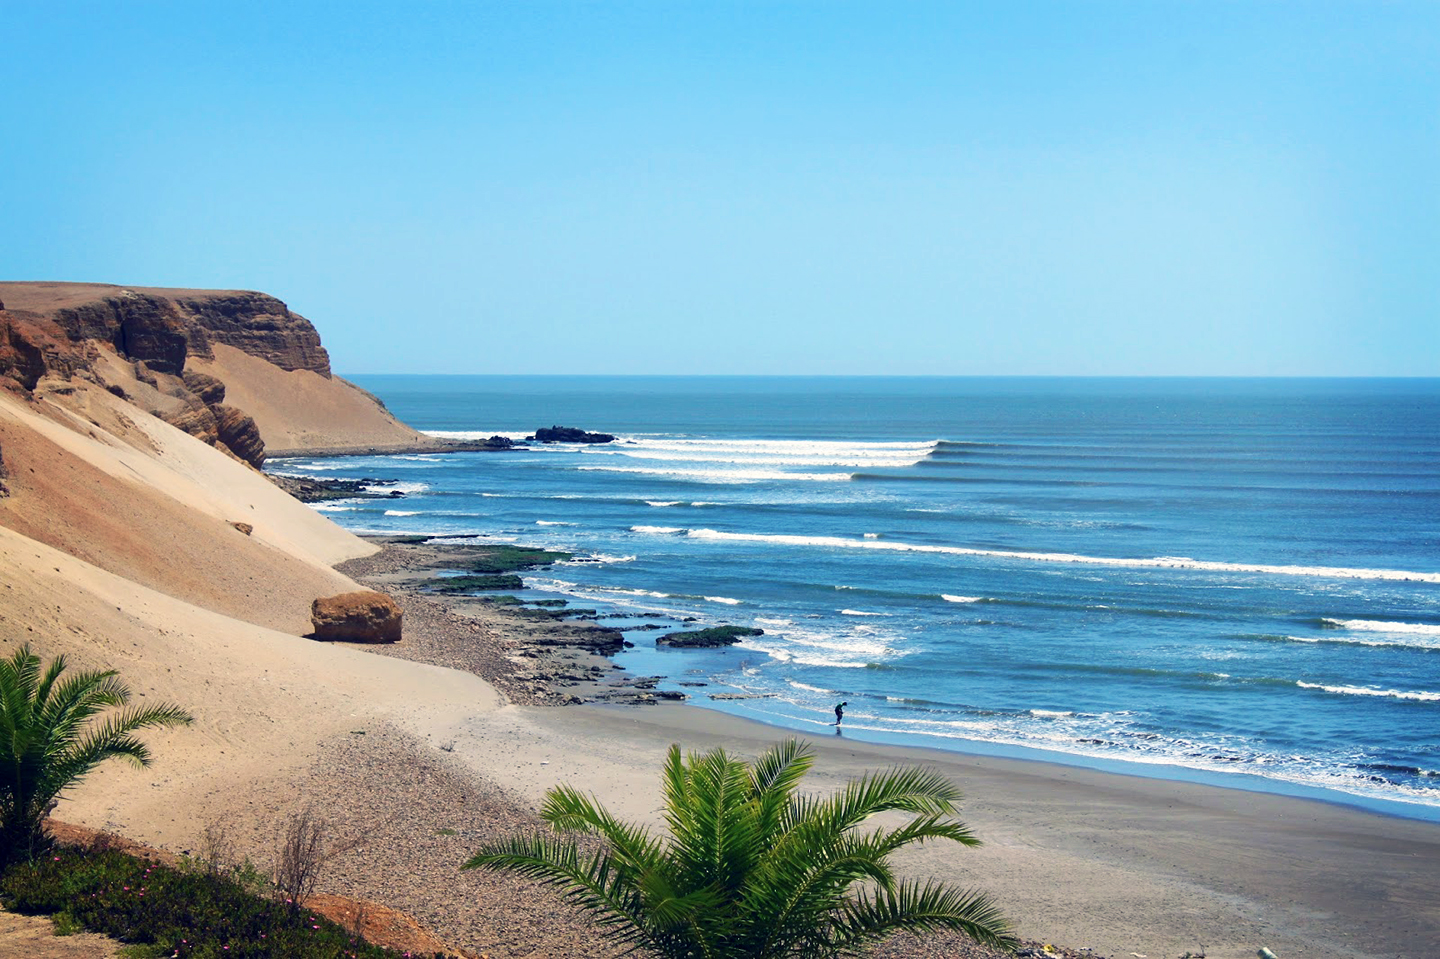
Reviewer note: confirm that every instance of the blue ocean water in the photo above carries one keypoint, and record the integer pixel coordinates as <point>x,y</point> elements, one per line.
<point>1232,580</point>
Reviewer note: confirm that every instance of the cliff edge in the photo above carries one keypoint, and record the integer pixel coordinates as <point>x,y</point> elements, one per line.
<point>236,369</point>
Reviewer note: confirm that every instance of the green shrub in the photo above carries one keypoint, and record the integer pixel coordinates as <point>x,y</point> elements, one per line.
<point>183,913</point>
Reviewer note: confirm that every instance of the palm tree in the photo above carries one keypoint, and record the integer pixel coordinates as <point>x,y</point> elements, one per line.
<point>751,869</point>
<point>47,743</point>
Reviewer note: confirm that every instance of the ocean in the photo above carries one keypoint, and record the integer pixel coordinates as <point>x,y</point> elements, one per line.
<point>1235,581</point>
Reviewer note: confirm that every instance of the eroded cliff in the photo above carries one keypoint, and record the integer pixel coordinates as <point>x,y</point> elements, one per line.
<point>176,353</point>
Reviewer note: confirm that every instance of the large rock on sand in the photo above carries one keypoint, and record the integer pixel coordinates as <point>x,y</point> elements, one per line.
<point>362,617</point>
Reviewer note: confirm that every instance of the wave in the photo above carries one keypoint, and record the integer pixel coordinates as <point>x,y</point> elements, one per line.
<point>658,530</point>
<point>662,503</point>
<point>597,558</point>
<point>723,600</point>
<point>1414,644</point>
<point>402,512</point>
<point>723,476</point>
<point>860,612</point>
<point>397,488</point>
<point>552,522</point>
<point>730,459</point>
<point>471,435</point>
<point>1416,695</point>
<point>961,599</point>
<point>1159,562</point>
<point>1382,626</point>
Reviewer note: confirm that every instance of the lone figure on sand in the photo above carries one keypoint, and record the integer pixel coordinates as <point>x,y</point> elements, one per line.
<point>840,712</point>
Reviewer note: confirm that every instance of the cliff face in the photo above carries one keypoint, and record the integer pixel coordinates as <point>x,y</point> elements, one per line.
<point>157,348</point>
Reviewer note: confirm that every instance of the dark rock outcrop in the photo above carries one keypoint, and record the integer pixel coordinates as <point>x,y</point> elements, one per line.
<point>256,323</point>
<point>163,329</point>
<point>237,432</point>
<point>708,638</point>
<point>361,617</point>
<point>209,390</point>
<point>157,330</point>
<point>223,427</point>
<point>568,434</point>
<point>32,346</point>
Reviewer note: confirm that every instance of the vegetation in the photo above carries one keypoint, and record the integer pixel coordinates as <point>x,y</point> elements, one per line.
<point>474,584</point>
<point>194,912</point>
<point>750,869</point>
<point>704,638</point>
<point>48,743</point>
<point>508,559</point>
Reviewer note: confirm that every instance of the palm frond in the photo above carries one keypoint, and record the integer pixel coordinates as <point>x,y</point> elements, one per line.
<point>48,741</point>
<point>920,907</point>
<point>752,869</point>
<point>594,884</point>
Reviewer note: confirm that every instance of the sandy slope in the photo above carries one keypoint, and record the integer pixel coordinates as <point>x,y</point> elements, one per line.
<point>263,700</point>
<point>159,512</point>
<point>301,410</point>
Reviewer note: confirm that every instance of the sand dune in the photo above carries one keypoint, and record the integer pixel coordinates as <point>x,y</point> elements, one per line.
<point>300,410</point>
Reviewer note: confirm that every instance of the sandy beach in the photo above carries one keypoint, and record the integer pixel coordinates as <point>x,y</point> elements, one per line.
<point>1119,864</point>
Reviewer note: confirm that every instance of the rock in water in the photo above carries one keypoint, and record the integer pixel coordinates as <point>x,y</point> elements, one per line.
<point>569,434</point>
<point>709,638</point>
<point>362,617</point>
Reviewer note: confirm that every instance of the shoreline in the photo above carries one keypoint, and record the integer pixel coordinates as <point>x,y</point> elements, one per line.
<point>619,685</point>
<point>1116,862</point>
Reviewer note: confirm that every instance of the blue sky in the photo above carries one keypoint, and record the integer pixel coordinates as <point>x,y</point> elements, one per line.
<point>1084,188</point>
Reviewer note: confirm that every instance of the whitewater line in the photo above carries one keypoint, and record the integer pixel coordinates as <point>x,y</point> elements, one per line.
<point>1161,562</point>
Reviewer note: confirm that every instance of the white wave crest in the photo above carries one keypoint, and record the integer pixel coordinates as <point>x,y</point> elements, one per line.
<point>1381,626</point>
<point>402,512</point>
<point>470,435</point>
<point>724,476</point>
<point>594,558</point>
<point>723,600</point>
<point>551,522</point>
<point>1423,642</point>
<point>397,488</point>
<point>664,502</point>
<point>657,530</point>
<point>860,612</point>
<point>960,599</point>
<point>1164,562</point>
<point>1418,695</point>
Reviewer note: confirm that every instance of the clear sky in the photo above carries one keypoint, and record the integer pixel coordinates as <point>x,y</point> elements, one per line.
<point>1090,187</point>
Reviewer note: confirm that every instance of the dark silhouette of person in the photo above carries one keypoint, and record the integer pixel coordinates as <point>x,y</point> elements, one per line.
<point>840,712</point>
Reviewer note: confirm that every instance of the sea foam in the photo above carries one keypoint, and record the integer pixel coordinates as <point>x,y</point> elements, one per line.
<point>1160,562</point>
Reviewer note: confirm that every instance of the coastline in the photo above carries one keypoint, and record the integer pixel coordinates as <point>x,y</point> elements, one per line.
<point>1117,863</point>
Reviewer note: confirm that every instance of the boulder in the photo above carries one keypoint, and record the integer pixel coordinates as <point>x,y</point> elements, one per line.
<point>361,617</point>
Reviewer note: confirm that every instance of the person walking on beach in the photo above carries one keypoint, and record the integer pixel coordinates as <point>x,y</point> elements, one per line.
<point>840,712</point>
